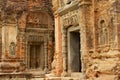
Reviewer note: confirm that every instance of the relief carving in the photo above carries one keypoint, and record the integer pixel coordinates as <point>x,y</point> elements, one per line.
<point>37,20</point>
<point>30,25</point>
<point>103,36</point>
<point>116,6</point>
<point>70,19</point>
<point>102,32</point>
<point>12,48</point>
<point>35,38</point>
<point>73,20</point>
<point>34,19</point>
<point>114,12</point>
<point>111,29</point>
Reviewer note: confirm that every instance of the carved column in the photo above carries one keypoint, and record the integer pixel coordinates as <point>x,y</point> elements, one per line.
<point>46,56</point>
<point>34,57</point>
<point>86,23</point>
<point>28,57</point>
<point>64,51</point>
<point>5,34</point>
<point>21,39</point>
<point>50,50</point>
<point>0,40</point>
<point>26,53</point>
<point>115,13</point>
<point>4,39</point>
<point>82,48</point>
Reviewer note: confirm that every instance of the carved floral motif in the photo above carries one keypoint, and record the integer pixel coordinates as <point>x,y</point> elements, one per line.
<point>70,19</point>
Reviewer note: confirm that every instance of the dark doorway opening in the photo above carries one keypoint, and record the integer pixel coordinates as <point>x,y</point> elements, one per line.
<point>75,55</point>
<point>36,56</point>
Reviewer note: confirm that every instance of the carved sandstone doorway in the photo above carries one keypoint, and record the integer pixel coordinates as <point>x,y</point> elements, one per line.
<point>74,55</point>
<point>36,56</point>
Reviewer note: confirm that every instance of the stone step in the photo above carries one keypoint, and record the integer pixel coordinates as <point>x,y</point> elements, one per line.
<point>13,79</point>
<point>76,75</point>
<point>107,77</point>
<point>62,78</point>
<point>37,79</point>
<point>37,74</point>
<point>51,77</point>
<point>68,78</point>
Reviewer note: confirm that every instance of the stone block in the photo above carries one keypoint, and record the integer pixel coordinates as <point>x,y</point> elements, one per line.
<point>53,78</point>
<point>37,79</point>
<point>107,77</point>
<point>13,79</point>
<point>77,76</point>
<point>66,78</point>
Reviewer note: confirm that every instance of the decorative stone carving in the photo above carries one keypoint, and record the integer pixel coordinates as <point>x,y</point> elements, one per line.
<point>12,48</point>
<point>64,52</point>
<point>70,19</point>
<point>103,33</point>
<point>116,6</point>
<point>37,20</point>
<point>37,26</point>
<point>35,38</point>
<point>23,14</point>
<point>34,19</point>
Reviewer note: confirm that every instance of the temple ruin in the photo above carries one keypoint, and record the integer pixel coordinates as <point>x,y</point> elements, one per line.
<point>87,39</point>
<point>60,39</point>
<point>26,37</point>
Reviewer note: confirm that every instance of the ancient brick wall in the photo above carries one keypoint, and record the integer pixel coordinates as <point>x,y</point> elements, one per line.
<point>99,25</point>
<point>102,63</point>
<point>24,22</point>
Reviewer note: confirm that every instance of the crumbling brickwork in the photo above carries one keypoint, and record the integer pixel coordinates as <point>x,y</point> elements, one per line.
<point>98,24</point>
<point>26,35</point>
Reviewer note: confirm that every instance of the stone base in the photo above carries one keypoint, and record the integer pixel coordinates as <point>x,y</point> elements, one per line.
<point>10,65</point>
<point>107,77</point>
<point>13,79</point>
<point>37,74</point>
<point>77,75</point>
<point>64,74</point>
<point>37,79</point>
<point>74,76</point>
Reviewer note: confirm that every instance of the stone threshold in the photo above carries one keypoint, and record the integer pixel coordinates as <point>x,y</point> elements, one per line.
<point>74,76</point>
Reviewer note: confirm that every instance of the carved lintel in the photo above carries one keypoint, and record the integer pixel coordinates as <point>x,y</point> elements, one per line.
<point>70,19</point>
<point>69,8</point>
<point>35,38</point>
<point>37,25</point>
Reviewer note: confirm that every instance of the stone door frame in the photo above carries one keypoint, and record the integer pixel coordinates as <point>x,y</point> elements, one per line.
<point>44,41</point>
<point>65,47</point>
<point>71,29</point>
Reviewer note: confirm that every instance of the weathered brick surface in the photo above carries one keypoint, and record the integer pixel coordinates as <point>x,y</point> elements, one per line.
<point>100,53</point>
<point>16,16</point>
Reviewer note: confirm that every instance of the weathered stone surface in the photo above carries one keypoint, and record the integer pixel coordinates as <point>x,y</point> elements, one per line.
<point>98,25</point>
<point>87,39</point>
<point>26,36</point>
<point>107,77</point>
